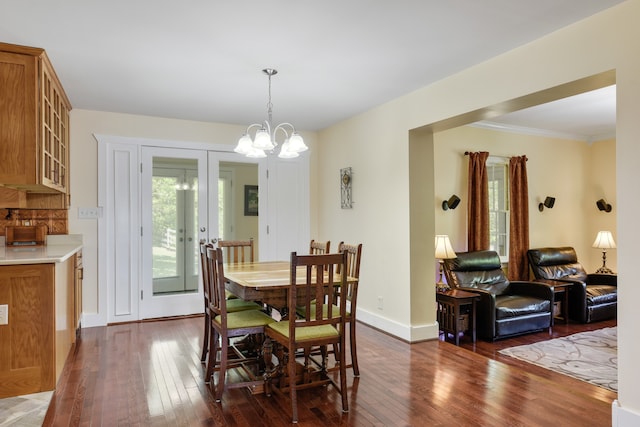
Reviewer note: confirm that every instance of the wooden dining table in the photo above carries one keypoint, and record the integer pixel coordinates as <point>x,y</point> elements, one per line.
<point>265,281</point>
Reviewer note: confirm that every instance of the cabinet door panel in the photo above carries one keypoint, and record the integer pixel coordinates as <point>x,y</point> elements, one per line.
<point>18,120</point>
<point>27,355</point>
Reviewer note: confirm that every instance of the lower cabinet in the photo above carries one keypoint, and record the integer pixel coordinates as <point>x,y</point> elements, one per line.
<point>77,278</point>
<point>40,330</point>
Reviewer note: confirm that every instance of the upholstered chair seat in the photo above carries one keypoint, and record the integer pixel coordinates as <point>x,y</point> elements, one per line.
<point>505,308</point>
<point>592,297</point>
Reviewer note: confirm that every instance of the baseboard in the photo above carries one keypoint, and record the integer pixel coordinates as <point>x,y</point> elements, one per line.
<point>409,333</point>
<point>621,417</point>
<point>91,320</point>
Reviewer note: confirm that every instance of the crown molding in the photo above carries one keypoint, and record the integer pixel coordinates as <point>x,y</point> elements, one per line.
<point>523,130</point>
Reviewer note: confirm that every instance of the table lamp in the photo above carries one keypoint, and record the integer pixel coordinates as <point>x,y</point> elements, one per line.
<point>604,241</point>
<point>443,251</point>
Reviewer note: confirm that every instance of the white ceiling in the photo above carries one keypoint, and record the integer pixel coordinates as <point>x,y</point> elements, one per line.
<point>590,116</point>
<point>202,59</point>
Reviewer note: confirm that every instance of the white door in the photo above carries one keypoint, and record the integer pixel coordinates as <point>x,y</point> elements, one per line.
<point>174,220</point>
<point>125,245</point>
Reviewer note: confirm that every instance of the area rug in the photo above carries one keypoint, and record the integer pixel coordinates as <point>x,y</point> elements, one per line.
<point>588,356</point>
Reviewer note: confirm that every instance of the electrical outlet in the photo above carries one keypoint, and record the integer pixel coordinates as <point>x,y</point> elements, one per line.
<point>380,303</point>
<point>4,314</point>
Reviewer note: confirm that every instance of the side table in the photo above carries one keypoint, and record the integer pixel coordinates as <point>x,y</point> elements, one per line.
<point>448,312</point>
<point>560,290</point>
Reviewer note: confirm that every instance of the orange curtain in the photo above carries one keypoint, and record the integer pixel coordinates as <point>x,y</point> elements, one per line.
<point>519,219</point>
<point>478,206</point>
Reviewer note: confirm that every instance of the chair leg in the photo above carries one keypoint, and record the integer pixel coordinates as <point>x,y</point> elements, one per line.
<point>224,346</point>
<point>352,344</point>
<point>343,377</point>
<point>213,355</point>
<point>205,339</point>
<point>292,385</point>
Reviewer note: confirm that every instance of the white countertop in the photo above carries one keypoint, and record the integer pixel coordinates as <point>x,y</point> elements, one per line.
<point>58,249</point>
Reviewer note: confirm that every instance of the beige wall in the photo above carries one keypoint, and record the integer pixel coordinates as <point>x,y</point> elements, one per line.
<point>381,146</point>
<point>558,168</point>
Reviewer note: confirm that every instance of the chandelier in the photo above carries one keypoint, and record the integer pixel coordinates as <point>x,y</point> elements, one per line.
<point>265,137</point>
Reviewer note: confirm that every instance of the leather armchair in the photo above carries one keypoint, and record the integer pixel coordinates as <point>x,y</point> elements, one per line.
<point>505,308</point>
<point>592,297</point>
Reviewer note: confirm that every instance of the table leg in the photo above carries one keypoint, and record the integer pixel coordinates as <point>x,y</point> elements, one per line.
<point>456,317</point>
<point>473,320</point>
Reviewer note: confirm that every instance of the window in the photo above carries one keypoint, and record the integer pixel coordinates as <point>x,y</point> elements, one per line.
<point>498,176</point>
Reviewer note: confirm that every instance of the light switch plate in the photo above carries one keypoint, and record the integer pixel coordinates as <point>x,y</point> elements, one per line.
<point>4,314</point>
<point>89,213</point>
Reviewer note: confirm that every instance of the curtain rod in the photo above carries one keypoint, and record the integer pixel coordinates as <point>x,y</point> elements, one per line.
<point>466,153</point>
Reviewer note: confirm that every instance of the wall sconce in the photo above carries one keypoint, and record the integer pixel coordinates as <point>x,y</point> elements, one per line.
<point>548,203</point>
<point>452,203</point>
<point>603,206</point>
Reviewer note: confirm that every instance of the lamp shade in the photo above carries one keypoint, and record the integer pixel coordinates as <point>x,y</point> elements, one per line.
<point>604,240</point>
<point>443,247</point>
<point>285,151</point>
<point>244,145</point>
<point>296,143</point>
<point>262,140</point>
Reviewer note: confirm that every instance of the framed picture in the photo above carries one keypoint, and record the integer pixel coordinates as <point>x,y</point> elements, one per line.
<point>250,200</point>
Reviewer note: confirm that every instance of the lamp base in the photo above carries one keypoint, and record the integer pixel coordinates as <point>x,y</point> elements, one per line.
<point>604,270</point>
<point>442,287</point>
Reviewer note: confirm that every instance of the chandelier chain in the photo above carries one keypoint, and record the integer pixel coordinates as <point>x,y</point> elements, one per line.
<point>270,104</point>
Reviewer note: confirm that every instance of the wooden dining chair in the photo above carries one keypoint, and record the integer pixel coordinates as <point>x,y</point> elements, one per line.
<point>205,290</point>
<point>226,325</point>
<point>319,248</point>
<point>352,269</point>
<point>235,305</point>
<point>354,254</point>
<point>307,333</point>
<point>236,251</point>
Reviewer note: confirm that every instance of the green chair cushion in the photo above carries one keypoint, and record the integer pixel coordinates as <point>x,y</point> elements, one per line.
<point>246,319</point>
<point>229,295</point>
<point>238,304</point>
<point>306,332</point>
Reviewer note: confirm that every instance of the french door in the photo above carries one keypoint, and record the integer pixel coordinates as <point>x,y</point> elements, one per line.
<point>159,201</point>
<point>174,219</point>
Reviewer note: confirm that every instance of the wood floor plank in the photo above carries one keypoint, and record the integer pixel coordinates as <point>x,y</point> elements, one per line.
<point>149,374</point>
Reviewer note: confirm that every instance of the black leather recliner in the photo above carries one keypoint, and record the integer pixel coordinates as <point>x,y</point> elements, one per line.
<point>592,297</point>
<point>505,308</point>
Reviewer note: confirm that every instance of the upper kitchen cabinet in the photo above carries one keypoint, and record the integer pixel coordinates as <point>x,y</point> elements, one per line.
<point>34,128</point>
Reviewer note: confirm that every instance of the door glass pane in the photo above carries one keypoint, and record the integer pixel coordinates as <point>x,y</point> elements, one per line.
<point>174,224</point>
<point>165,226</point>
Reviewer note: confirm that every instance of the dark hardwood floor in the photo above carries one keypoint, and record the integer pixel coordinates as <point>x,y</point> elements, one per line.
<point>149,374</point>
